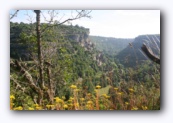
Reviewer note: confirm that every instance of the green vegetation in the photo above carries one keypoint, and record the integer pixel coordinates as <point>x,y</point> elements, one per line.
<point>132,54</point>
<point>111,46</point>
<point>76,75</point>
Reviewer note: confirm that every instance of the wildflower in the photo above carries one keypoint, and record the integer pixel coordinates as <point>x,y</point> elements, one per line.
<point>63,97</point>
<point>58,100</point>
<point>104,95</point>
<point>134,108</point>
<point>77,104</point>
<point>126,103</point>
<point>65,106</point>
<point>77,90</point>
<point>30,108</point>
<point>52,106</point>
<point>18,108</point>
<point>36,105</point>
<point>98,87</point>
<point>71,98</point>
<point>38,108</point>
<point>12,97</point>
<point>89,94</point>
<point>73,86</point>
<point>144,107</point>
<point>120,93</point>
<point>87,106</point>
<point>96,90</point>
<point>131,90</point>
<point>116,89</point>
<point>82,99</point>
<point>70,105</point>
<point>89,102</point>
<point>48,106</point>
<point>107,97</point>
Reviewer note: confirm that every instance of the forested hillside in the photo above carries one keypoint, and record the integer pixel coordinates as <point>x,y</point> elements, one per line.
<point>62,67</point>
<point>132,54</point>
<point>111,46</point>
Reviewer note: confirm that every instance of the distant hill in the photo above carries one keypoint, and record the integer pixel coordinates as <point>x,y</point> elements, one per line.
<point>132,54</point>
<point>108,45</point>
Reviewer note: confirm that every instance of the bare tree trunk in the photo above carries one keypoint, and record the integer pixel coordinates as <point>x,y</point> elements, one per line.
<point>50,91</point>
<point>40,56</point>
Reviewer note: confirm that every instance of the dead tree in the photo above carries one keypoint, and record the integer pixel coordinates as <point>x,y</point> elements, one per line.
<point>150,54</point>
<point>43,88</point>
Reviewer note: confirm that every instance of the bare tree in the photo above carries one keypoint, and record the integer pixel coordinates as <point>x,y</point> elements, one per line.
<point>38,85</point>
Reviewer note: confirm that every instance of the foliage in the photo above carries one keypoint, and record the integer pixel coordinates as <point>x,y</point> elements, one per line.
<point>80,82</point>
<point>132,54</point>
<point>108,45</point>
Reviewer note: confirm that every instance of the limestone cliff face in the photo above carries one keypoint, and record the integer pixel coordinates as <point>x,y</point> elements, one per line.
<point>83,39</point>
<point>51,45</point>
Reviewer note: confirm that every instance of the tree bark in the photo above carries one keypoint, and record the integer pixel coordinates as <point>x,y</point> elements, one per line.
<point>40,56</point>
<point>50,91</point>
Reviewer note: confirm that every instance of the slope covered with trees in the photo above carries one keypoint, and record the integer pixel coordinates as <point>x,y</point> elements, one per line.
<point>58,67</point>
<point>110,45</point>
<point>132,54</point>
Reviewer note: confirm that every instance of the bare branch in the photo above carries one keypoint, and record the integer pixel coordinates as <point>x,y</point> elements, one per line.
<point>13,15</point>
<point>17,84</point>
<point>80,14</point>
<point>26,74</point>
<point>150,54</point>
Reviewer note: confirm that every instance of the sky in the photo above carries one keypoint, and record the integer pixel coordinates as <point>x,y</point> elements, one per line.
<point>107,23</point>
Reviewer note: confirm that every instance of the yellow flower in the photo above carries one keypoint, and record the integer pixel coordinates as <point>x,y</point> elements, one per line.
<point>89,102</point>
<point>36,105</point>
<point>48,106</point>
<point>18,108</point>
<point>134,108</point>
<point>73,86</point>
<point>126,103</point>
<point>77,104</point>
<point>30,108</point>
<point>89,94</point>
<point>144,107</point>
<point>131,90</point>
<point>12,97</point>
<point>70,101</point>
<point>107,97</point>
<point>71,98</point>
<point>116,89</point>
<point>96,90</point>
<point>65,106</point>
<point>98,87</point>
<point>58,100</point>
<point>38,108</point>
<point>104,95</point>
<point>76,90</point>
<point>120,93</point>
<point>82,99</point>
<point>63,97</point>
